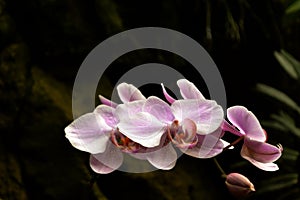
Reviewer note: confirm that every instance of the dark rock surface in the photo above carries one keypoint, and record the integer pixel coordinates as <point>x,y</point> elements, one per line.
<point>43,43</point>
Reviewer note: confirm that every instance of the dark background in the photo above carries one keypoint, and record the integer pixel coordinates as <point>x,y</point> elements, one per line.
<point>44,42</point>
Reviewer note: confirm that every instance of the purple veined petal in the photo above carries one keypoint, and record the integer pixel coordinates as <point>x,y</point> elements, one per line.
<point>128,93</point>
<point>107,102</point>
<point>228,127</point>
<point>246,122</point>
<point>108,161</point>
<point>99,167</point>
<point>208,146</point>
<point>143,153</point>
<point>88,133</point>
<point>153,155</point>
<point>207,114</point>
<point>260,151</point>
<point>167,96</point>
<point>143,128</point>
<point>127,110</point>
<point>163,158</point>
<point>139,155</point>
<point>263,166</point>
<point>108,114</point>
<point>198,152</point>
<point>188,90</point>
<point>159,109</point>
<point>203,152</point>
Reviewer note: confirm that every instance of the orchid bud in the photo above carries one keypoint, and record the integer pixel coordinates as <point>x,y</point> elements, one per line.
<point>239,185</point>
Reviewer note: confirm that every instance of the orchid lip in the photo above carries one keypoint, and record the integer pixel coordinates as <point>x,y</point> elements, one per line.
<point>177,136</point>
<point>184,145</point>
<point>124,143</point>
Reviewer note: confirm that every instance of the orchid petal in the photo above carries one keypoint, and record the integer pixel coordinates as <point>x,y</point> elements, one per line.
<point>128,93</point>
<point>208,145</point>
<point>159,109</point>
<point>167,96</point>
<point>139,155</point>
<point>163,158</point>
<point>107,102</point>
<point>228,127</point>
<point>88,133</point>
<point>260,151</point>
<point>142,128</point>
<point>207,114</point>
<point>127,110</point>
<point>142,154</point>
<point>108,114</point>
<point>246,122</point>
<point>188,90</point>
<point>107,161</point>
<point>204,152</point>
<point>264,166</point>
<point>99,167</point>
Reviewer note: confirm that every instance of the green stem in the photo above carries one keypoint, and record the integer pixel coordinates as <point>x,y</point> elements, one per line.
<point>220,168</point>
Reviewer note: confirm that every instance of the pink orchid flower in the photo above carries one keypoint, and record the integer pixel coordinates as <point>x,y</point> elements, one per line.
<point>96,132</point>
<point>255,149</point>
<point>145,122</point>
<point>135,127</point>
<point>154,117</point>
<point>196,130</point>
<point>140,127</point>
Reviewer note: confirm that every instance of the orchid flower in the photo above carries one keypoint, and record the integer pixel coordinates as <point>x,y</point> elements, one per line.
<point>196,130</point>
<point>145,122</point>
<point>126,92</point>
<point>91,133</point>
<point>97,132</point>
<point>255,149</point>
<point>134,127</point>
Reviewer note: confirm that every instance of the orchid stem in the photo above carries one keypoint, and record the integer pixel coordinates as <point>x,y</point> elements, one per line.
<point>220,168</point>
<point>234,143</point>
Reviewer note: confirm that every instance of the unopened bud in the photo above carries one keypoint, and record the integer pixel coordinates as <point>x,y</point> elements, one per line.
<point>239,185</point>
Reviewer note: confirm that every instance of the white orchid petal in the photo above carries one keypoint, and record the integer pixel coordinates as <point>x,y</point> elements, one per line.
<point>143,128</point>
<point>159,109</point>
<point>163,158</point>
<point>128,93</point>
<point>88,133</point>
<point>207,114</point>
<point>107,161</point>
<point>188,90</point>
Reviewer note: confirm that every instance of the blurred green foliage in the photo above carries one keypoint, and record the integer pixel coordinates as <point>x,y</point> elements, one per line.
<point>285,121</point>
<point>294,7</point>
